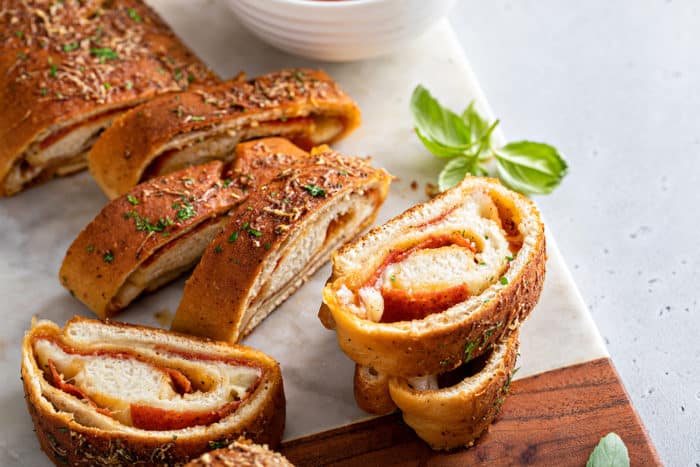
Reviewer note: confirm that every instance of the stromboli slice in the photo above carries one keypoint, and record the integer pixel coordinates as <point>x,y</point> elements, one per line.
<point>67,69</point>
<point>453,409</point>
<point>276,239</point>
<point>411,297</point>
<point>171,132</point>
<point>108,393</point>
<point>158,230</point>
<point>241,453</point>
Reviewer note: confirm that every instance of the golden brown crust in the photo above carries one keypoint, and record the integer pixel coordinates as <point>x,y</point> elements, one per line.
<point>434,345</point>
<point>371,390</point>
<point>119,160</point>
<point>456,416</point>
<point>158,214</point>
<point>215,297</point>
<point>67,442</point>
<point>130,229</point>
<point>241,453</point>
<point>62,62</point>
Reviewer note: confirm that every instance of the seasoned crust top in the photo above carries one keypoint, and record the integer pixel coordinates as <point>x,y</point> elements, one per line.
<point>124,151</point>
<point>60,61</point>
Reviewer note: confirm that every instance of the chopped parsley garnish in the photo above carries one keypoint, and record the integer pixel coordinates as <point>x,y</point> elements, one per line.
<point>510,258</point>
<point>52,71</point>
<point>344,173</point>
<point>469,349</point>
<point>233,237</point>
<point>19,34</point>
<point>268,246</point>
<point>21,55</point>
<point>107,85</point>
<point>218,249</point>
<point>178,74</point>
<point>185,210</point>
<point>132,200</point>
<point>128,85</point>
<point>251,230</point>
<point>197,118</point>
<point>315,190</point>
<point>299,76</point>
<point>144,224</point>
<point>90,248</point>
<point>392,278</point>
<point>216,444</point>
<point>190,78</point>
<point>504,280</point>
<point>108,257</point>
<point>133,14</point>
<point>227,182</point>
<point>283,118</point>
<point>70,46</point>
<point>104,53</point>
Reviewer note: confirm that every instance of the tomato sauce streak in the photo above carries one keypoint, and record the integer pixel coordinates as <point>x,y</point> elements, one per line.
<point>152,418</point>
<point>401,306</point>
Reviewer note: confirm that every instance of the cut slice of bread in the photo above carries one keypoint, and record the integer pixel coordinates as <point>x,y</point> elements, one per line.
<point>276,239</point>
<point>453,409</point>
<point>108,393</point>
<point>68,69</point>
<point>194,127</point>
<point>438,284</point>
<point>159,230</point>
<point>241,453</point>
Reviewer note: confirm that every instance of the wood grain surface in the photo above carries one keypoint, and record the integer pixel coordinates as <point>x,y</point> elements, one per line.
<point>554,418</point>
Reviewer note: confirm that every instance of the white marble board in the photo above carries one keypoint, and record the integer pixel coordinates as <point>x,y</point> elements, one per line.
<point>36,228</point>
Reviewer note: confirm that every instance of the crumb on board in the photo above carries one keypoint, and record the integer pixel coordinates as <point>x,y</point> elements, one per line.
<point>414,185</point>
<point>431,190</point>
<point>164,317</point>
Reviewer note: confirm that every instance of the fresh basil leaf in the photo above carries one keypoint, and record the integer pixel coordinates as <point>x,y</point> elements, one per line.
<point>478,126</point>
<point>436,123</point>
<point>610,452</point>
<point>438,149</point>
<point>530,168</point>
<point>454,172</point>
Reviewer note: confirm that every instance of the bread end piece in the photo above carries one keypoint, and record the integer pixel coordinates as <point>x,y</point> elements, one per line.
<point>241,453</point>
<point>458,415</point>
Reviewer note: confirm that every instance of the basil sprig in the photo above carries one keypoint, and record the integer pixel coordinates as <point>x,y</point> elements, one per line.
<point>524,166</point>
<point>610,452</point>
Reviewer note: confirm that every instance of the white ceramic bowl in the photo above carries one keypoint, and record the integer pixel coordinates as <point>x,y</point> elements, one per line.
<point>341,30</point>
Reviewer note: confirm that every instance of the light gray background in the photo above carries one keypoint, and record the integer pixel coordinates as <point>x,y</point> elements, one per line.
<point>614,85</point>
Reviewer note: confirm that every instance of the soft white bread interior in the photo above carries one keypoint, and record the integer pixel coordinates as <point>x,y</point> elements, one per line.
<point>453,409</point>
<point>411,297</point>
<point>241,453</point>
<point>122,393</point>
<point>276,239</point>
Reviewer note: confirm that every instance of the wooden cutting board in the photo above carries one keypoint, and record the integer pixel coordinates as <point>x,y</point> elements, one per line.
<point>566,394</point>
<point>554,418</point>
